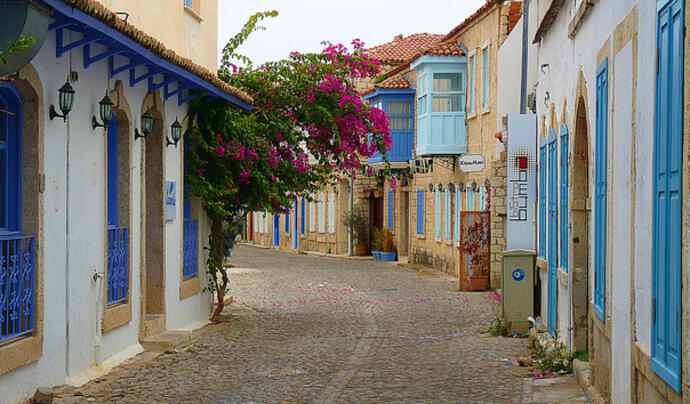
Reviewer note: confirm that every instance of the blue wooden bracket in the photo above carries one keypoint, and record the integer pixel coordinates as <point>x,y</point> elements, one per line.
<point>181,99</point>
<point>88,60</point>
<point>129,66</point>
<point>133,79</point>
<point>61,48</point>
<point>180,88</point>
<point>60,22</point>
<point>166,80</point>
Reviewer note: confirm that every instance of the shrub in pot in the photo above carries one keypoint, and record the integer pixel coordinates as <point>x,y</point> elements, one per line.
<point>358,223</point>
<point>388,253</point>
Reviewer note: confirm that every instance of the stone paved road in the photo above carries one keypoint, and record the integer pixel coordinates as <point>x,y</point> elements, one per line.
<point>323,330</point>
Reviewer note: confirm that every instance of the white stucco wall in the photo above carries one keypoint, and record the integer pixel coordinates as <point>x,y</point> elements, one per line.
<point>74,231</point>
<point>620,225</point>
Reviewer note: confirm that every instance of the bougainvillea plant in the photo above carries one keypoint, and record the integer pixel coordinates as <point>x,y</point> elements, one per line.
<point>308,126</point>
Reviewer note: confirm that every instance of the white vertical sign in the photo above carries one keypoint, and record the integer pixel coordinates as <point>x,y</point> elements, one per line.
<point>522,182</point>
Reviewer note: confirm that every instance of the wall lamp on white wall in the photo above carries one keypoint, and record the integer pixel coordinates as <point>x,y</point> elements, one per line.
<point>146,126</point>
<point>105,110</point>
<point>65,102</point>
<point>175,133</point>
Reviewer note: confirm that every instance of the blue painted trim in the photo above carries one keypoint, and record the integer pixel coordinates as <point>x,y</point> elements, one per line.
<point>542,198</point>
<point>552,248</point>
<point>127,66</point>
<point>112,172</point>
<point>564,208</point>
<point>150,72</point>
<point>600,197</point>
<point>61,48</point>
<point>166,80</point>
<point>437,212</point>
<point>391,204</point>
<point>89,60</point>
<point>12,101</point>
<point>303,226</point>
<point>379,92</point>
<point>62,11</point>
<point>420,211</point>
<point>276,230</point>
<point>433,59</point>
<point>180,88</point>
<point>446,229</point>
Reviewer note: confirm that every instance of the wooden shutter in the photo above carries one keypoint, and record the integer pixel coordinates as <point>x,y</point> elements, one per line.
<point>390,210</point>
<point>420,211</point>
<point>601,152</point>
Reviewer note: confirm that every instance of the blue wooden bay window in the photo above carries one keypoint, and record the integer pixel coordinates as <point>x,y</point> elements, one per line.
<point>420,211</point>
<point>542,199</point>
<point>390,209</point>
<point>441,91</point>
<point>600,191</point>
<point>399,107</point>
<point>667,202</point>
<point>564,214</point>
<point>17,252</point>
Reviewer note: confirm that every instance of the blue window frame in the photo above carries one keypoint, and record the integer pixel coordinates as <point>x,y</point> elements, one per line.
<point>390,209</point>
<point>112,164</point>
<point>485,77</point>
<point>10,159</point>
<point>600,196</point>
<point>303,215</point>
<point>190,233</point>
<point>542,199</point>
<point>565,215</point>
<point>667,228</point>
<point>482,198</point>
<point>446,229</point>
<point>420,211</point>
<point>458,208</point>
<point>437,212</point>
<point>470,199</point>
<point>188,3</point>
<point>17,252</point>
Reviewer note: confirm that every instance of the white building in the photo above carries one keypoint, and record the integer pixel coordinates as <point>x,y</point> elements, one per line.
<point>98,251</point>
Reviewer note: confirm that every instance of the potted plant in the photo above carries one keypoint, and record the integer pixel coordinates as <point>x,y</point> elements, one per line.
<point>475,243</point>
<point>377,242</point>
<point>358,224</point>
<point>388,253</point>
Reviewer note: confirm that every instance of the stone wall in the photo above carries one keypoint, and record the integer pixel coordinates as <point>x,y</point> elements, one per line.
<point>498,217</point>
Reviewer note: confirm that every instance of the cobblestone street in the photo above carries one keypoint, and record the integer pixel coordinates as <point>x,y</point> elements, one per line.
<point>310,329</point>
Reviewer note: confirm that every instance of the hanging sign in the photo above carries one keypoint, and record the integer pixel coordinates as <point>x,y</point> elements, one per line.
<point>471,163</point>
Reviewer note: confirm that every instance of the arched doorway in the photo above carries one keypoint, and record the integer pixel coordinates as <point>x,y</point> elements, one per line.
<point>580,216</point>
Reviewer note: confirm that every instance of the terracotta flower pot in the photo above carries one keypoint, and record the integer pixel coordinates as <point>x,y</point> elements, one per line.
<point>360,249</point>
<point>478,283</point>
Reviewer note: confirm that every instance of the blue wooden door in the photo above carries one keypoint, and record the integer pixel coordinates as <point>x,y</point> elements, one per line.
<point>667,209</point>
<point>276,230</point>
<point>295,233</point>
<point>600,190</point>
<point>552,250</point>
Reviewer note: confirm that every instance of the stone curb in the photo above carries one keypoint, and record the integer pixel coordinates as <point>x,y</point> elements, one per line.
<point>581,371</point>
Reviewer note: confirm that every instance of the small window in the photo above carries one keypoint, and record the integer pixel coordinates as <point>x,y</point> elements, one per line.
<point>447,96</point>
<point>400,114</point>
<point>447,82</point>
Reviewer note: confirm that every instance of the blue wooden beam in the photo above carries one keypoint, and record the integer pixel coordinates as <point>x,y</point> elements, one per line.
<point>180,88</point>
<point>150,72</point>
<point>129,66</point>
<point>88,60</point>
<point>166,80</point>
<point>182,100</point>
<point>61,48</point>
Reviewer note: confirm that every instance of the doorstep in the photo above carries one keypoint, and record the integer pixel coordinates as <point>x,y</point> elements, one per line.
<point>166,341</point>
<point>581,372</point>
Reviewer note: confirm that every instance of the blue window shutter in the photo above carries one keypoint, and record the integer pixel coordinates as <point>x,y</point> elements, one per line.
<point>458,208</point>
<point>564,199</point>
<point>482,198</point>
<point>471,83</point>
<point>542,199</point>
<point>390,210</point>
<point>667,201</point>
<point>302,216</point>
<point>420,211</point>
<point>470,199</point>
<point>287,223</point>
<point>112,165</point>
<point>437,212</point>
<point>601,151</point>
<point>485,87</point>
<point>446,229</point>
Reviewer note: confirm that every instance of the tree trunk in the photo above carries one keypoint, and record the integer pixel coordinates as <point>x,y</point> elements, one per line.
<point>220,287</point>
<point>220,295</point>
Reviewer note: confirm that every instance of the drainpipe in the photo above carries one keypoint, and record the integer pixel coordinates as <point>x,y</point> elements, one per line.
<point>67,261</point>
<point>525,46</point>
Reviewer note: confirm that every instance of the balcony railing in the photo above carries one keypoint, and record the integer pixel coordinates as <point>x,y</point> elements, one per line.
<point>190,249</point>
<point>118,240</point>
<point>17,273</point>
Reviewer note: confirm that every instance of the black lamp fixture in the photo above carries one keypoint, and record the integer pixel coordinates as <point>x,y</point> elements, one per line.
<point>487,182</point>
<point>105,110</point>
<point>65,102</point>
<point>175,133</point>
<point>474,185</point>
<point>461,185</point>
<point>431,187</point>
<point>451,185</point>
<point>440,186</point>
<point>146,126</point>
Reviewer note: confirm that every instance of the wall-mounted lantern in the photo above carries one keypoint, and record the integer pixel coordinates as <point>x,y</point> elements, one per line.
<point>105,110</point>
<point>175,133</point>
<point>440,186</point>
<point>474,185</point>
<point>65,102</point>
<point>487,182</point>
<point>146,126</point>
<point>461,185</point>
<point>451,185</point>
<point>431,187</point>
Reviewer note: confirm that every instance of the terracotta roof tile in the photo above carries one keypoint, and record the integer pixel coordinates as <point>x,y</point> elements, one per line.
<point>98,11</point>
<point>401,49</point>
<point>397,82</point>
<point>445,48</point>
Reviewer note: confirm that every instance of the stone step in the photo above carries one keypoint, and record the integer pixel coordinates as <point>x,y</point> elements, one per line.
<point>166,341</point>
<point>153,324</point>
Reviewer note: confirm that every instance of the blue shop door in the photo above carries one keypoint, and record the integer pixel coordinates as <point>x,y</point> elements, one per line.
<point>276,230</point>
<point>295,229</point>
<point>552,252</point>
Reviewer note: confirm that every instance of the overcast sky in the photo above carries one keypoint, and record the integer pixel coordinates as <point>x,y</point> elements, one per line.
<point>302,24</point>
